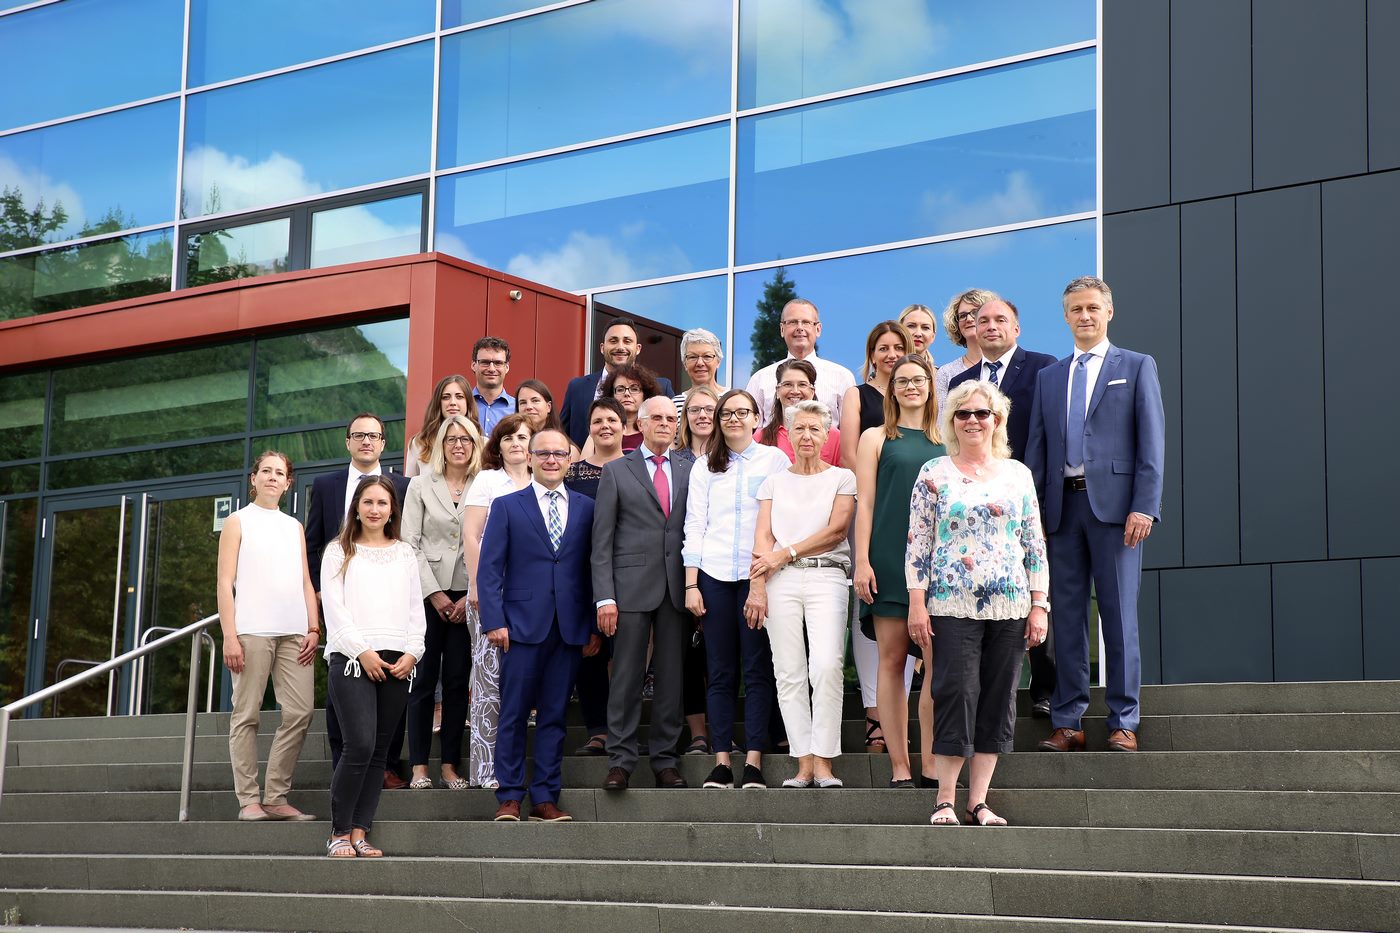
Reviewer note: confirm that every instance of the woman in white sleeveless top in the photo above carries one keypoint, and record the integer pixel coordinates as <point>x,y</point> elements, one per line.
<point>267,610</point>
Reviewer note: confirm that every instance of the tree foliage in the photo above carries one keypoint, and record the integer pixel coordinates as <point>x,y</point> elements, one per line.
<point>766,339</point>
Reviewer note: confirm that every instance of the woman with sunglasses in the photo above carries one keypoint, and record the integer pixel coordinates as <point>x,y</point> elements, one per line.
<point>721,512</point>
<point>977,576</point>
<point>888,460</point>
<point>960,324</point>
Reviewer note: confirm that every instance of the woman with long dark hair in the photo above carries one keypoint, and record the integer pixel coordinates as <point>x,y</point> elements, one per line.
<point>796,382</point>
<point>534,400</point>
<point>452,396</point>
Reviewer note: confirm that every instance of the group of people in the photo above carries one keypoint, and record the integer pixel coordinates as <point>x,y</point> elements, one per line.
<point>643,543</point>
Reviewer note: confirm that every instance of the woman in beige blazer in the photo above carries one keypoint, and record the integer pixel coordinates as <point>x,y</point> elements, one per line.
<point>432,524</point>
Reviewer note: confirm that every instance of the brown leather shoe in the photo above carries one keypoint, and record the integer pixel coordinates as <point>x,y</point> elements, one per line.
<point>508,812</point>
<point>393,782</point>
<point>617,779</point>
<point>548,812</point>
<point>1064,740</point>
<point>1122,740</point>
<point>670,777</point>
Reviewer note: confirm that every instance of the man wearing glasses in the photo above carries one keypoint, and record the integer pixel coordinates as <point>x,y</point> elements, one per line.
<point>490,363</point>
<point>330,501</point>
<point>619,347</point>
<point>801,325</point>
<point>537,608</point>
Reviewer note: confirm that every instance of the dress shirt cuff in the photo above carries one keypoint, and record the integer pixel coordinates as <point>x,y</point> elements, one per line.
<point>606,602</point>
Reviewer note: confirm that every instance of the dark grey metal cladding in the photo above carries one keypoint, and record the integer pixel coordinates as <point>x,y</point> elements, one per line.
<point>1136,104</point>
<point>1317,621</point>
<point>1380,618</point>
<point>1219,625</point>
<point>1210,106</point>
<point>1383,83</point>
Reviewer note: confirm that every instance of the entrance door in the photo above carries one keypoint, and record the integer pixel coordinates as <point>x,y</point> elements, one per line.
<point>116,567</point>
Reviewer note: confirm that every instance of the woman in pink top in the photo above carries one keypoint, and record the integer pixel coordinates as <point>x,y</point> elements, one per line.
<point>797,382</point>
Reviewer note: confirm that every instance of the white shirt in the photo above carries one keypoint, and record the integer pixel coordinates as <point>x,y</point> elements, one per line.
<point>721,511</point>
<point>268,598</point>
<point>1004,360</point>
<point>1091,376</point>
<point>352,481</point>
<point>833,380</point>
<point>376,603</point>
<point>542,497</point>
<point>652,467</point>
<point>802,506</point>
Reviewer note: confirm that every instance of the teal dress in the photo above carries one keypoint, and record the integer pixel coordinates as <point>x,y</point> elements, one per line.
<point>901,459</point>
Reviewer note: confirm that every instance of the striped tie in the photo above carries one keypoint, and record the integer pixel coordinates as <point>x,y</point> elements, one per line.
<point>556,525</point>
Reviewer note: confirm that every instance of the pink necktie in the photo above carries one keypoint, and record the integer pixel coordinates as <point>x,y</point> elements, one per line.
<point>663,488</point>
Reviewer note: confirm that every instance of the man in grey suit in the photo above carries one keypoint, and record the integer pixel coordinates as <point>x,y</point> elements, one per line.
<point>639,589</point>
<point>1096,449</point>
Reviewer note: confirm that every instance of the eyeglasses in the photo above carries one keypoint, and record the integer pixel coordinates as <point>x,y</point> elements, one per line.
<point>708,411</point>
<point>490,364</point>
<point>627,390</point>
<point>360,436</point>
<point>966,315</point>
<point>700,358</point>
<point>551,454</point>
<point>906,382</point>
<point>981,414</point>
<point>735,414</point>
<point>457,441</point>
<point>804,385</point>
<point>800,323</point>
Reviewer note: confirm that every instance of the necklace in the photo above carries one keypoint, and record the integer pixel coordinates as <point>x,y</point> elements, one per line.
<point>976,469</point>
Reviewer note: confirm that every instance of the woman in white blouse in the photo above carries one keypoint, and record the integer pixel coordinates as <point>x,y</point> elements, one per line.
<point>506,459</point>
<point>798,582</point>
<point>373,603</point>
<point>977,577</point>
<point>721,510</point>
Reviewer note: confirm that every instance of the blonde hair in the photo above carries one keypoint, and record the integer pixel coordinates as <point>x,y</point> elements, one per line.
<point>933,319</point>
<point>930,425</point>
<point>996,401</point>
<point>978,297</point>
<point>438,457</point>
<point>683,438</point>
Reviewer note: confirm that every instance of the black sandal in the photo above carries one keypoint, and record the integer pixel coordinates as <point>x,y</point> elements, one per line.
<point>952,813</point>
<point>975,815</point>
<point>872,740</point>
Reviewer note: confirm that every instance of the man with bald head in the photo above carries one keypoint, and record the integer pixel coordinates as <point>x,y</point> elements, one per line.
<point>639,589</point>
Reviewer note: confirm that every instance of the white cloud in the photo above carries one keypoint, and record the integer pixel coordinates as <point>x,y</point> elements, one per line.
<point>1016,201</point>
<point>356,233</point>
<point>35,186</point>
<point>587,260</point>
<point>242,184</point>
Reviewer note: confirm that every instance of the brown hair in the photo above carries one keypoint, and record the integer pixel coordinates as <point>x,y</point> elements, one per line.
<point>551,420</point>
<point>432,417</point>
<point>351,526</point>
<point>683,438</point>
<point>719,447</point>
<point>775,420</point>
<point>879,330</point>
<point>638,374</point>
<point>930,424</point>
<point>491,455</point>
<point>257,464</point>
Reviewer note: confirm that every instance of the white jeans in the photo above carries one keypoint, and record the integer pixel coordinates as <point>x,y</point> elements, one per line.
<point>817,594</point>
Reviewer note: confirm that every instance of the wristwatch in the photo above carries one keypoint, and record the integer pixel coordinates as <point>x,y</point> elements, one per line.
<point>792,552</point>
<point>1040,604</point>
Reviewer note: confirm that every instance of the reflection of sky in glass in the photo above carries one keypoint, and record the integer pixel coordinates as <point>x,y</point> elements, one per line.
<point>296,135</point>
<point>620,213</point>
<point>121,165</point>
<point>790,49</point>
<point>254,249</point>
<point>682,305</point>
<point>980,150</point>
<point>82,55</point>
<point>585,72</point>
<point>461,12</point>
<point>1029,267</point>
<point>88,274</point>
<point>393,227</point>
<point>232,39</point>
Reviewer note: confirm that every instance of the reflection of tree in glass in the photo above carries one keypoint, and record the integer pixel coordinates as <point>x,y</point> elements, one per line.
<point>21,227</point>
<point>766,339</point>
<point>79,623</point>
<point>20,521</point>
<point>325,376</point>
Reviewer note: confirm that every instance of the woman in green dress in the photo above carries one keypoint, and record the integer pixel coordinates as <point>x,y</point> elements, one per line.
<point>888,460</point>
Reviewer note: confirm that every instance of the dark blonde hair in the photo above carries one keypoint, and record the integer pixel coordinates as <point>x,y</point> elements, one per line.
<point>432,417</point>
<point>930,425</point>
<point>978,297</point>
<point>683,438</point>
<point>350,528</point>
<point>438,460</point>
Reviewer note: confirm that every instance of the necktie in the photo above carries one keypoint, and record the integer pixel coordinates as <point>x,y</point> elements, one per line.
<point>992,371</point>
<point>556,525</point>
<point>663,486</point>
<point>1074,438</point>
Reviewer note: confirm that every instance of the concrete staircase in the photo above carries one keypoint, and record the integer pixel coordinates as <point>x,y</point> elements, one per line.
<point>1268,806</point>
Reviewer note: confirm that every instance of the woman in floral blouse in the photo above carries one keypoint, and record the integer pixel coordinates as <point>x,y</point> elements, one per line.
<point>977,575</point>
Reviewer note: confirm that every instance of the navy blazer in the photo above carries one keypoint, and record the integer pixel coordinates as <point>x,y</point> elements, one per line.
<point>578,396</point>
<point>1124,439</point>
<point>1018,384</point>
<point>323,524</point>
<point>523,585</point>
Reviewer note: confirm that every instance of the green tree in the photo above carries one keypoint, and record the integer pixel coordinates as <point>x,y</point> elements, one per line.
<point>766,339</point>
<point>22,227</point>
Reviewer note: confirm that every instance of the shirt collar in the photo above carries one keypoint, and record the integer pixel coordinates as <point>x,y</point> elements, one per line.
<point>1100,350</point>
<point>1005,358</point>
<point>745,454</point>
<point>355,474</point>
<point>648,453</point>
<point>541,490</point>
<point>503,397</point>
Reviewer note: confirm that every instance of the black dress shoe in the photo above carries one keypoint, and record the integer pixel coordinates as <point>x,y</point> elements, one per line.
<point>754,779</point>
<point>616,780</point>
<point>1040,709</point>
<point>670,777</point>
<point>901,783</point>
<point>720,777</point>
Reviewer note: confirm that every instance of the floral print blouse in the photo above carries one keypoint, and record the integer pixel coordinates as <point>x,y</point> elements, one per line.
<point>976,545</point>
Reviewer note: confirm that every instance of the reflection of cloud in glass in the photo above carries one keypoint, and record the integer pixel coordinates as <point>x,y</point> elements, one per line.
<point>587,259</point>
<point>360,232</point>
<point>1019,199</point>
<point>35,186</point>
<point>226,182</point>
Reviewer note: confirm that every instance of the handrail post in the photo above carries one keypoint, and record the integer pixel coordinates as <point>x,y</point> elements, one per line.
<point>187,764</point>
<point>4,747</point>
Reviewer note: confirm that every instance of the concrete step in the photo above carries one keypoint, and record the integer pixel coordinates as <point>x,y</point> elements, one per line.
<point>1161,809</point>
<point>1315,771</point>
<point>1286,854</point>
<point>1161,897</point>
<point>375,913</point>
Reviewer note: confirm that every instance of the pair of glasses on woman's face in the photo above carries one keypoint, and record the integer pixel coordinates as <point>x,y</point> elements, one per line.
<point>981,414</point>
<point>735,414</point>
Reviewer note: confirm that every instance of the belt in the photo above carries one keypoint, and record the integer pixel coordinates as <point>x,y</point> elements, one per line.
<point>817,562</point>
<point>1075,484</point>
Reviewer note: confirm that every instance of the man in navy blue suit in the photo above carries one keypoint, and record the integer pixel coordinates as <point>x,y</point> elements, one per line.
<point>1096,449</point>
<point>619,347</point>
<point>536,601</point>
<point>330,501</point>
<point>1013,369</point>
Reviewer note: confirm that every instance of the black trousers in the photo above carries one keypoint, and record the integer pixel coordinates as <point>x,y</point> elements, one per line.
<point>448,652</point>
<point>976,670</point>
<point>369,713</point>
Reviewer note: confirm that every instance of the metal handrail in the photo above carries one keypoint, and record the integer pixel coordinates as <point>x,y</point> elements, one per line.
<point>187,762</point>
<point>137,700</point>
<point>58,668</point>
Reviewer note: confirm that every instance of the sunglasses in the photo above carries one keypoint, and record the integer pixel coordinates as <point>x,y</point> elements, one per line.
<point>981,414</point>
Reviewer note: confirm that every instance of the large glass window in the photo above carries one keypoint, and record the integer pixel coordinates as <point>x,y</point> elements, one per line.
<point>92,176</point>
<point>228,40</point>
<point>88,274</point>
<point>329,375</point>
<point>19,526</point>
<point>789,49</point>
<point>678,305</point>
<point>461,12</point>
<point>238,252</point>
<point>22,415</point>
<point>1028,267</point>
<point>296,135</point>
<point>585,72</point>
<point>978,150</point>
<point>146,465</point>
<point>620,213</point>
<point>150,400</point>
<point>83,55</point>
<point>372,230</point>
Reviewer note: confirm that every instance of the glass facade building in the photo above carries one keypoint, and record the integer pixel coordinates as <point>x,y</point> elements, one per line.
<point>672,160</point>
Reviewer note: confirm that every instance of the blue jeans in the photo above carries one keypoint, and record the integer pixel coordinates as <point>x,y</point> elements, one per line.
<point>731,646</point>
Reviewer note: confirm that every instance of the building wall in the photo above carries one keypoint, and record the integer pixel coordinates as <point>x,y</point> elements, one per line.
<point>1251,204</point>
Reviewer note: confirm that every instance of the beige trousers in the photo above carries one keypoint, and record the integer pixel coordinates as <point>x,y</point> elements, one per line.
<point>294,686</point>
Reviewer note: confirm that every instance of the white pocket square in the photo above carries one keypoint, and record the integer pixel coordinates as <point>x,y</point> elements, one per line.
<point>1118,382</point>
